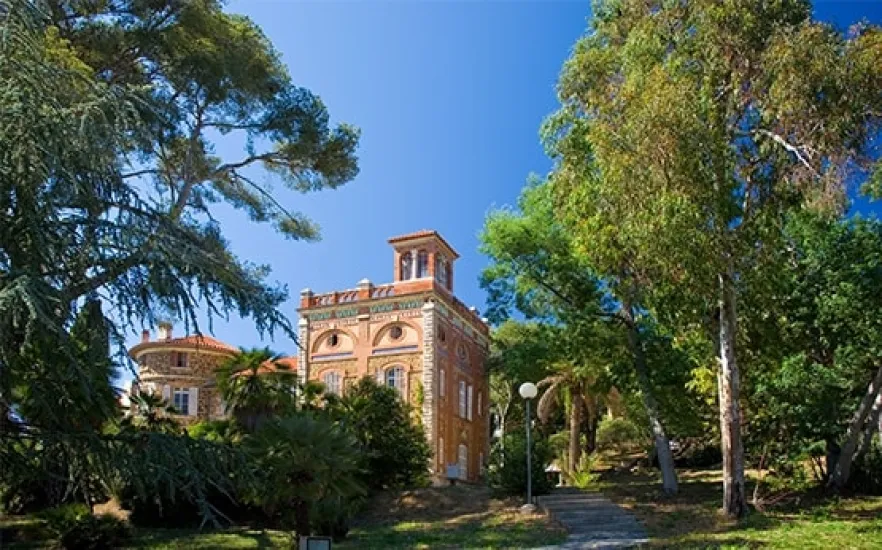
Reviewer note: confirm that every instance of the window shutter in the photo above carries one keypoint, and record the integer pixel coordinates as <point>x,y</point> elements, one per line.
<point>471,395</point>
<point>380,380</point>
<point>194,401</point>
<point>166,393</point>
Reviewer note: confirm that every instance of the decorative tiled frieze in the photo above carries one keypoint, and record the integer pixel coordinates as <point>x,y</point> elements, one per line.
<point>429,406</point>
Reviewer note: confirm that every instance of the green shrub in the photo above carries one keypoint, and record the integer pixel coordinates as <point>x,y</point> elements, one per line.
<point>95,533</point>
<point>394,452</point>
<point>219,431</point>
<point>507,473</point>
<point>619,434</point>
<point>61,518</point>
<point>583,477</point>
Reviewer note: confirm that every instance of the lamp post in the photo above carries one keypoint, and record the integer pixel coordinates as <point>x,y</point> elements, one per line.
<point>528,391</point>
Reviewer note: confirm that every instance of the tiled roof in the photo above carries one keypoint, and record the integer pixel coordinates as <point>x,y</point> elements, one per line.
<point>290,362</point>
<point>268,367</point>
<point>195,342</point>
<point>422,234</point>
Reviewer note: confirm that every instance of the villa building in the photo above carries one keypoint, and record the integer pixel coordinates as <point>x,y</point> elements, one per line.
<point>182,371</point>
<point>412,334</point>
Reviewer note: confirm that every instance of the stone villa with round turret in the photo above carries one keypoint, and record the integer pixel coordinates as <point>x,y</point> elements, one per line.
<point>412,334</point>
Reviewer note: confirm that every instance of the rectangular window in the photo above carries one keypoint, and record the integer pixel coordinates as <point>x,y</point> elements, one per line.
<point>480,404</point>
<point>463,462</point>
<point>470,395</point>
<point>442,383</point>
<point>462,399</point>
<point>181,401</point>
<point>180,360</point>
<point>441,451</point>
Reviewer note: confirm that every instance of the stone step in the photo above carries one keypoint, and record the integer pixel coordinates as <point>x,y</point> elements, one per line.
<point>582,502</point>
<point>570,498</point>
<point>598,510</point>
<point>589,524</point>
<point>592,520</point>
<point>621,542</point>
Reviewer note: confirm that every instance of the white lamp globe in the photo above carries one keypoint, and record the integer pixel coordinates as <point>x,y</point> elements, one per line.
<point>528,390</point>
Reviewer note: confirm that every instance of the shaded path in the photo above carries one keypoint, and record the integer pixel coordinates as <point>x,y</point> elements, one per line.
<point>592,520</point>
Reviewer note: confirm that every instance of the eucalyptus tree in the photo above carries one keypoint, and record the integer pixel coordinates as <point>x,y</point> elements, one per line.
<point>687,130</point>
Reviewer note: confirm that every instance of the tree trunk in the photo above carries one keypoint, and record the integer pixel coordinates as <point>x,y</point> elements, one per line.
<point>842,470</point>
<point>590,430</point>
<point>662,445</point>
<point>301,518</point>
<point>871,428</point>
<point>575,451</point>
<point>734,498</point>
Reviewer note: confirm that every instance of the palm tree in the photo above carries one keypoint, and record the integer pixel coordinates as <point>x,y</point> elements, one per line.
<point>576,389</point>
<point>303,461</point>
<point>255,385</point>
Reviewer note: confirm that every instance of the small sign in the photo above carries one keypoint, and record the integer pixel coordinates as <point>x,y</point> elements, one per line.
<point>453,471</point>
<point>315,543</point>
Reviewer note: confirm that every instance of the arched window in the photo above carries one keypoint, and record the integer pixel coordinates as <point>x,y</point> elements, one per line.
<point>422,264</point>
<point>333,382</point>
<point>406,266</point>
<point>441,269</point>
<point>395,378</point>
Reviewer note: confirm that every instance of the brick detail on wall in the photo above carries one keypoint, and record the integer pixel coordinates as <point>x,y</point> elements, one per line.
<point>303,350</point>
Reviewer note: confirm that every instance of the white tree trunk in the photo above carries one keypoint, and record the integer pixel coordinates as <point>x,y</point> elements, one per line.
<point>660,438</point>
<point>842,470</point>
<point>871,428</point>
<point>734,498</point>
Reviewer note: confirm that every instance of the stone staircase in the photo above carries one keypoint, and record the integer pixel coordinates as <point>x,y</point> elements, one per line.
<point>592,520</point>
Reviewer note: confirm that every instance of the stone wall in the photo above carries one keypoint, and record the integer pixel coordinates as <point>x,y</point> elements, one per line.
<point>158,368</point>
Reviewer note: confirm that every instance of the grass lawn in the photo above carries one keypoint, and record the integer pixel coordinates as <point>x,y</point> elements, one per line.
<point>692,518</point>
<point>450,517</point>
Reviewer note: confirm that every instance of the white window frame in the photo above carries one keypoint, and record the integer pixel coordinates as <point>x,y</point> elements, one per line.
<point>397,377</point>
<point>333,382</point>
<point>182,408</point>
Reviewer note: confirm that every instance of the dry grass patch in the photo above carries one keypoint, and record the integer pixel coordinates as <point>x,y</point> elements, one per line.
<point>450,517</point>
<point>692,518</point>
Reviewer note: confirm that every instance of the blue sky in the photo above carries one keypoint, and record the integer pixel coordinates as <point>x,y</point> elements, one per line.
<point>449,96</point>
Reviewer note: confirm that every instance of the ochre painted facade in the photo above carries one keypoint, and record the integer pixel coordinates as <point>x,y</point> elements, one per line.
<point>412,334</point>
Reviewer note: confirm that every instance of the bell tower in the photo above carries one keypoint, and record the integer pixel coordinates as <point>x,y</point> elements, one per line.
<point>423,255</point>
